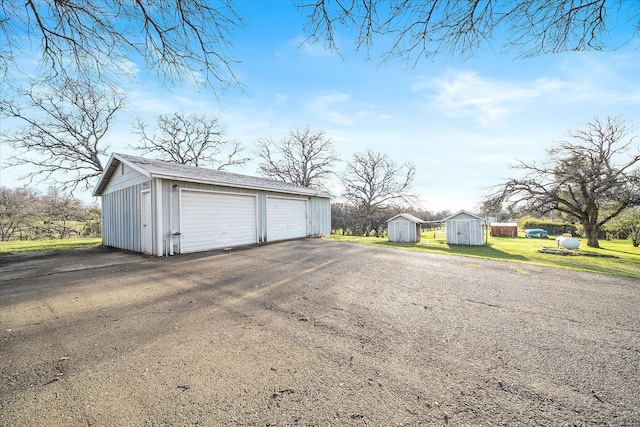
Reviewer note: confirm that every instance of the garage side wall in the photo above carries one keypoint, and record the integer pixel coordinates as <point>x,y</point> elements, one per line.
<point>319,216</point>
<point>121,218</point>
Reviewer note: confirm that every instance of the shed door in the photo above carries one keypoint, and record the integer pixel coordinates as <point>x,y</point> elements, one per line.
<point>216,220</point>
<point>464,232</point>
<point>146,240</point>
<point>286,218</point>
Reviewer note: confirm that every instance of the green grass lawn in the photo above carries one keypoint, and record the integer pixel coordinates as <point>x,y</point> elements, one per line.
<point>520,249</point>
<point>14,246</point>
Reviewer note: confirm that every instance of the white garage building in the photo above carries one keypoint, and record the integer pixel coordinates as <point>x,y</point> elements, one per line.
<point>162,208</point>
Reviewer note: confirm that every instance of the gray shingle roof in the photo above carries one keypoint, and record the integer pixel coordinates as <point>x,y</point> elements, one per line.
<point>407,216</point>
<point>160,169</point>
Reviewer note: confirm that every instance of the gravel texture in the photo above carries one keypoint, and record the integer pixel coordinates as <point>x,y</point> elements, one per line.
<point>313,332</point>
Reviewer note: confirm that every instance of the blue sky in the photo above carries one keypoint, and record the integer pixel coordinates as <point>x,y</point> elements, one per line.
<point>460,121</point>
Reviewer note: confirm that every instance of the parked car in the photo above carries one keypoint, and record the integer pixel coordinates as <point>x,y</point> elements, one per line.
<point>536,233</point>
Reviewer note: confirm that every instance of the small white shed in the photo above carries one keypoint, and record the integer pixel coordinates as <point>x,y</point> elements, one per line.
<point>404,227</point>
<point>464,228</point>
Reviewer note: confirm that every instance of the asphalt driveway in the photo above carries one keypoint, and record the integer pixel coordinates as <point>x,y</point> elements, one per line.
<point>313,332</point>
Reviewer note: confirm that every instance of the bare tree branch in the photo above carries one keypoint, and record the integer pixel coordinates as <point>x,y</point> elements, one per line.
<point>421,29</point>
<point>189,140</point>
<point>304,157</point>
<point>62,131</point>
<point>183,40</point>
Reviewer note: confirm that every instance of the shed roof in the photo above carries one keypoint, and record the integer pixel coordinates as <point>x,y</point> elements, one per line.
<point>153,168</point>
<point>407,216</point>
<point>462,212</point>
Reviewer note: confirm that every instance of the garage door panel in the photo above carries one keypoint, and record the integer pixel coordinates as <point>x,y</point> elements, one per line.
<point>217,220</point>
<point>286,218</point>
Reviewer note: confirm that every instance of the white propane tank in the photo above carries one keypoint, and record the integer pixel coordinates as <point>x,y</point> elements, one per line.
<point>568,242</point>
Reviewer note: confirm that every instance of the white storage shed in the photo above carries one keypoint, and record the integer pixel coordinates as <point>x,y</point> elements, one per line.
<point>464,228</point>
<point>161,208</point>
<point>404,227</point>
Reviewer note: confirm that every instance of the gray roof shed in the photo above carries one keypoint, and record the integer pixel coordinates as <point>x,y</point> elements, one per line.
<point>404,227</point>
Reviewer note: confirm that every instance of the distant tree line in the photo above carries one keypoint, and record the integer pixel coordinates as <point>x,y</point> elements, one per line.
<point>26,214</point>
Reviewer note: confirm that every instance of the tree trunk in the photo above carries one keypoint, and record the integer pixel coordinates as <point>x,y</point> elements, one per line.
<point>591,231</point>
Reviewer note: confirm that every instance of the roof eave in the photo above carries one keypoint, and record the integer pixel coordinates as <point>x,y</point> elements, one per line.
<point>108,171</point>
<point>310,193</point>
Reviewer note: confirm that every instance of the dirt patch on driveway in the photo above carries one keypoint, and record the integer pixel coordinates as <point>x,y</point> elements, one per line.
<point>319,333</point>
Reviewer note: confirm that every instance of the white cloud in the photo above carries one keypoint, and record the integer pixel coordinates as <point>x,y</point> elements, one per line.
<point>339,108</point>
<point>327,107</point>
<point>281,99</point>
<point>467,93</point>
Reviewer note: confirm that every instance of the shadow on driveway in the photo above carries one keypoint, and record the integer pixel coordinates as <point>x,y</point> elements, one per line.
<point>41,263</point>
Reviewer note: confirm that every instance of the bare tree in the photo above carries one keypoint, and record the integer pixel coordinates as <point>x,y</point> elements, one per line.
<point>185,40</point>
<point>189,140</point>
<point>62,212</point>
<point>424,28</point>
<point>304,157</point>
<point>580,178</point>
<point>374,182</point>
<point>17,207</point>
<point>61,131</point>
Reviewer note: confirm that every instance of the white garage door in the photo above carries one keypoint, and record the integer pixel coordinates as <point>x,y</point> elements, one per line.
<point>286,218</point>
<point>216,220</point>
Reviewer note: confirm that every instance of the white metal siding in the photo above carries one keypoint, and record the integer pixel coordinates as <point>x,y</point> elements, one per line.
<point>216,220</point>
<point>146,215</point>
<point>402,231</point>
<point>123,178</point>
<point>286,218</point>
<point>465,232</point>
<point>319,213</point>
<point>121,219</point>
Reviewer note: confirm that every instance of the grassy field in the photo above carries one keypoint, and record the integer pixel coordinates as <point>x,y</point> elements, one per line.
<point>519,249</point>
<point>14,246</point>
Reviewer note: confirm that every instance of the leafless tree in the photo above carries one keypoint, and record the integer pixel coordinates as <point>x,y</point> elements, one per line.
<point>17,207</point>
<point>304,157</point>
<point>184,40</point>
<point>61,212</point>
<point>424,28</point>
<point>374,182</point>
<point>60,131</point>
<point>580,178</point>
<point>189,140</point>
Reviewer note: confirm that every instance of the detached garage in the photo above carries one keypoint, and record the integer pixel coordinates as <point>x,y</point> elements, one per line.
<point>162,208</point>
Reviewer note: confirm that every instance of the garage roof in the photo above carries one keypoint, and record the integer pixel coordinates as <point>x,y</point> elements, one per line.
<point>153,168</point>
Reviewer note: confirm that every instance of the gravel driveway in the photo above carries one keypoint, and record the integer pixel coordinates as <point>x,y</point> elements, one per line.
<point>314,332</point>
